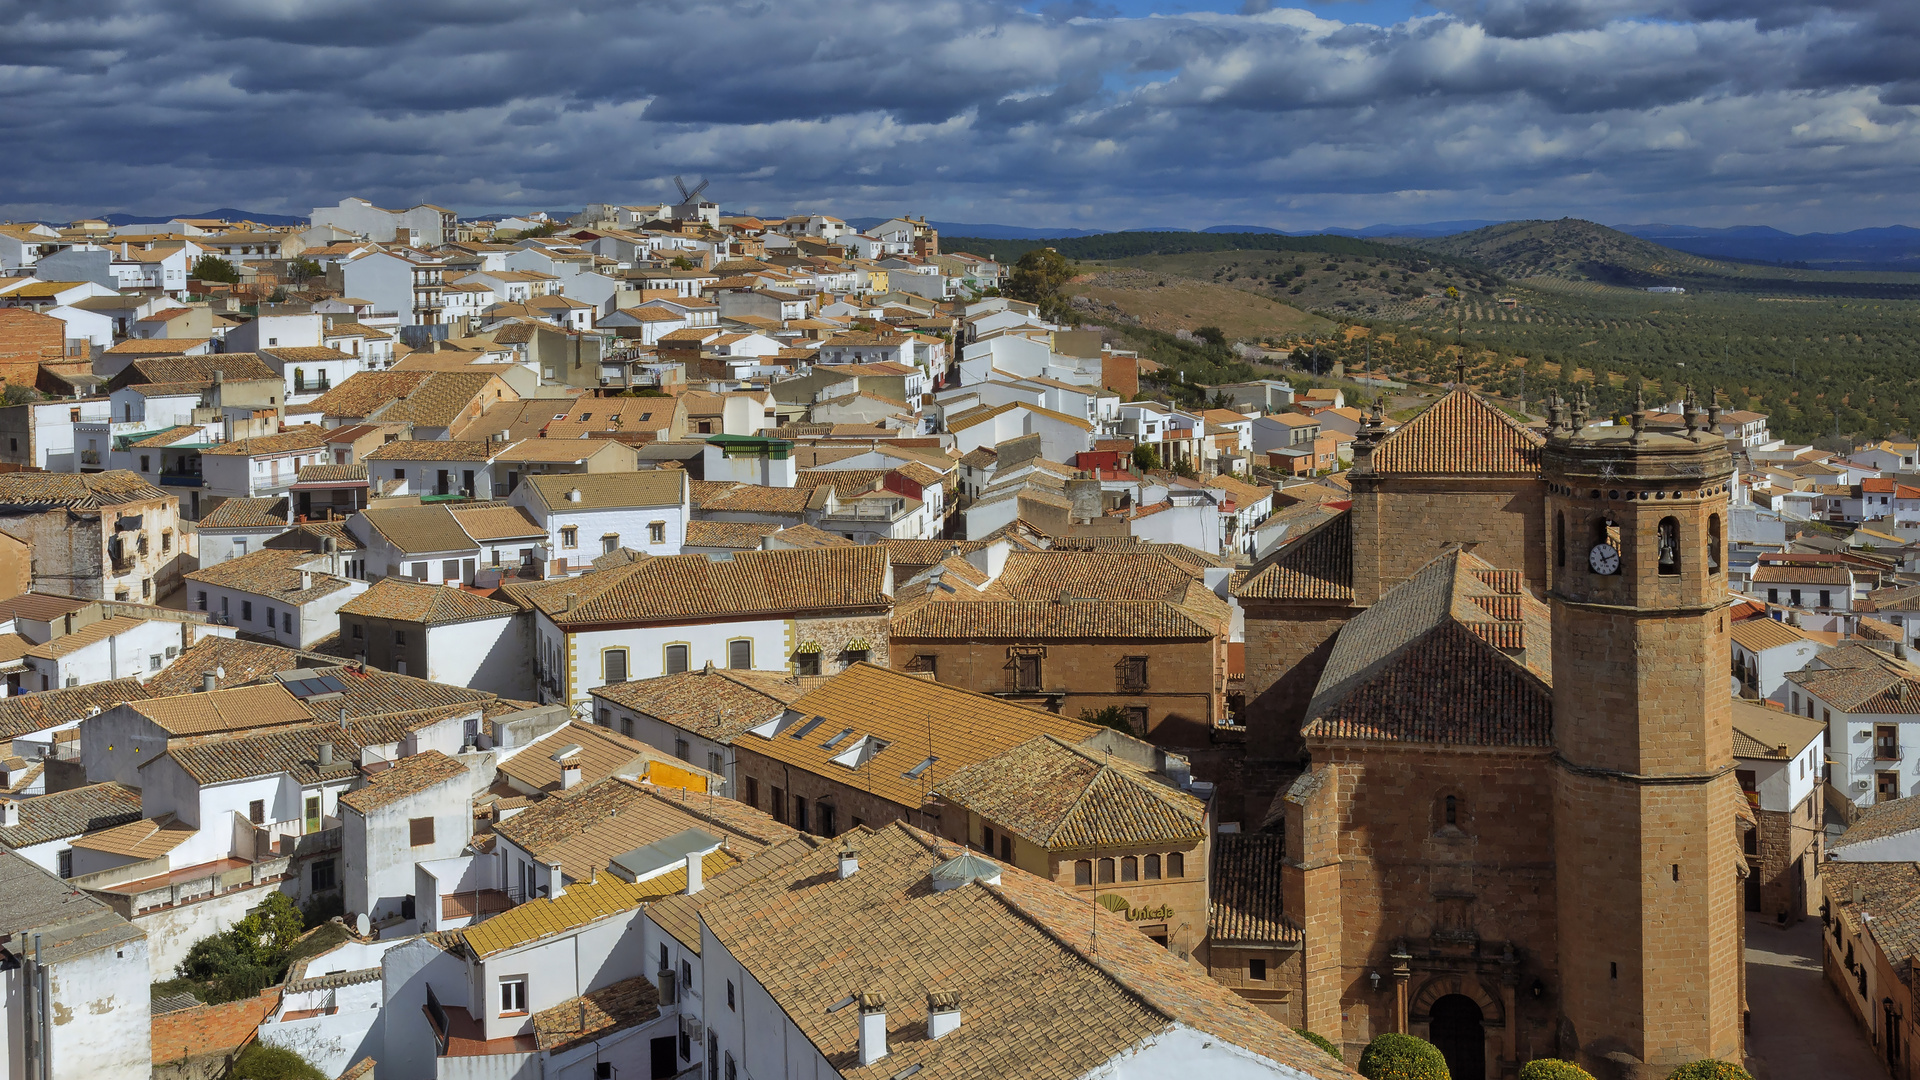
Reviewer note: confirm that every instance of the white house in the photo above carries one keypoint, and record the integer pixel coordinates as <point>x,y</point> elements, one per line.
<point>1061,436</point>
<point>425,225</point>
<point>587,515</point>
<point>1765,652</point>
<point>329,1009</point>
<point>1870,702</point>
<point>286,597</point>
<point>418,810</point>
<point>42,828</point>
<point>267,465</point>
<point>120,647</point>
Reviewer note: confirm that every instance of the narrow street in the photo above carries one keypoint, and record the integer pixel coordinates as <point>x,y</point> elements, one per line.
<point>1801,1028</point>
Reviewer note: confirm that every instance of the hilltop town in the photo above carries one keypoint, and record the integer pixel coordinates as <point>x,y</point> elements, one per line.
<point>665,643</point>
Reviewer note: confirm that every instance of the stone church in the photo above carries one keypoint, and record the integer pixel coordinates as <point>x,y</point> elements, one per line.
<point>1489,719</point>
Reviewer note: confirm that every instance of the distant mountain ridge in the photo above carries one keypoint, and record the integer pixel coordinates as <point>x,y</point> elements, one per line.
<point>225,213</point>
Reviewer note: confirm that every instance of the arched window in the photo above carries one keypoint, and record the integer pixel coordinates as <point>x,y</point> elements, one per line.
<point>1129,869</point>
<point>1083,872</point>
<point>1106,871</point>
<point>1560,539</point>
<point>1176,865</point>
<point>1451,813</point>
<point>1153,868</point>
<point>1713,544</point>
<point>1666,539</point>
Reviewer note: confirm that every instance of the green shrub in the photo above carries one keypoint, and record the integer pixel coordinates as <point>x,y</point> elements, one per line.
<point>248,956</point>
<point>1710,1069</point>
<point>262,1062</point>
<point>1318,1040</point>
<point>1392,1056</point>
<point>1553,1069</point>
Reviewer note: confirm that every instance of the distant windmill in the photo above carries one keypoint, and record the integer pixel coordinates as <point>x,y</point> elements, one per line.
<point>689,200</point>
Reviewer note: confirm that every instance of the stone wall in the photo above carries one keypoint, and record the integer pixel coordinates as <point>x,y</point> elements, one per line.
<point>1277,995</point>
<point>834,634</point>
<point>1287,647</point>
<point>1401,523</point>
<point>1788,859</point>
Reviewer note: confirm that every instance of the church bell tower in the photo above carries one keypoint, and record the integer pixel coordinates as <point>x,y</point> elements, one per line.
<point>1646,850</point>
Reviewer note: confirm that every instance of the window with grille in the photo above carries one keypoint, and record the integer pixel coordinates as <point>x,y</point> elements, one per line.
<point>740,655</point>
<point>676,659</point>
<point>1133,673</point>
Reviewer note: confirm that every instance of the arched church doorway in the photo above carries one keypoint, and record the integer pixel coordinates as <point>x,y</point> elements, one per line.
<point>1457,1030</point>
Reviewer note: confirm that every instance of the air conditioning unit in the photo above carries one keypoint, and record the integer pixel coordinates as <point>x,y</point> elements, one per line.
<point>1860,784</point>
<point>696,1031</point>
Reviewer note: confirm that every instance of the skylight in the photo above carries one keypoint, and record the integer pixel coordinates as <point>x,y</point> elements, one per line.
<point>837,739</point>
<point>916,772</point>
<point>806,729</point>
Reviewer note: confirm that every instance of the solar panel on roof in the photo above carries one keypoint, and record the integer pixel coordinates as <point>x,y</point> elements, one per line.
<point>308,688</point>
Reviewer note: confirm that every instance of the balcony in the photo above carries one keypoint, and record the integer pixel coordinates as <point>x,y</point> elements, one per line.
<point>182,479</point>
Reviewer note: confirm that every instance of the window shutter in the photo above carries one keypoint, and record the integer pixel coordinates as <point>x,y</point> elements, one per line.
<point>420,831</point>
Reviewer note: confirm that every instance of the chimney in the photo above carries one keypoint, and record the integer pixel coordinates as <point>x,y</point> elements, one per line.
<point>873,1028</point>
<point>694,883</point>
<point>849,863</point>
<point>571,599</point>
<point>9,813</point>
<point>208,683</point>
<point>943,1012</point>
<point>569,775</point>
<point>326,755</point>
<point>558,886</point>
<point>306,580</point>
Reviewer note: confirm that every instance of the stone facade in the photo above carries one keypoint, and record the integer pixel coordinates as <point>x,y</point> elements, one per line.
<point>1402,522</point>
<point>1183,696</point>
<point>1276,989</point>
<point>1783,860</point>
<point>1287,645</point>
<point>835,640</point>
<point>795,797</point>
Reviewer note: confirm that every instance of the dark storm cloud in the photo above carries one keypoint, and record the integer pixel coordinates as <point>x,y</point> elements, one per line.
<point>1798,113</point>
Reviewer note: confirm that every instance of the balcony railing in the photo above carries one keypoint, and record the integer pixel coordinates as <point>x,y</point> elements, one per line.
<point>182,480</point>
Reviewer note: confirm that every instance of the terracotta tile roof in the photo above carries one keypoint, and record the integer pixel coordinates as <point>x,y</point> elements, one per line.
<point>1760,730</point>
<point>440,400</point>
<point>1444,657</point>
<point>1889,904</point>
<point>247,513</point>
<point>602,753</point>
<point>305,354</point>
<point>420,530</point>
<point>272,573</point>
<point>811,938</point>
<point>1245,892</point>
<point>1061,797</point>
<point>202,1030</point>
<point>1051,619</point>
<point>61,814</point>
<point>1243,493</point>
<point>1877,691</point>
<point>596,1014</point>
<point>599,491</point>
<point>915,719</point>
<point>713,703</point>
<point>1761,634</point>
<point>14,647</point>
<point>331,474</point>
<point>75,491</point>
<point>734,535</point>
<point>582,905</point>
<point>1461,434</point>
<point>753,498</point>
<point>232,660</point>
<point>1801,575</point>
<point>416,602</point>
<point>679,914</point>
<point>558,450</point>
<point>91,634</point>
<point>807,536</point>
<point>589,826</point>
<point>147,838</point>
<point>1315,564</point>
<point>303,437</point>
<point>409,776</point>
<point>364,392</point>
<point>681,587</point>
<point>236,709</point>
<point>21,714</point>
<point>432,450</point>
<point>40,606</point>
<point>292,749</point>
<point>1097,575</point>
<point>157,346</point>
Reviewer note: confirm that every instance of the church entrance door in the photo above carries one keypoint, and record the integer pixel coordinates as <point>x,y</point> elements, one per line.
<point>1457,1031</point>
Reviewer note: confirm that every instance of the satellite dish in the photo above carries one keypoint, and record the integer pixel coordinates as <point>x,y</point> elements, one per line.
<point>360,924</point>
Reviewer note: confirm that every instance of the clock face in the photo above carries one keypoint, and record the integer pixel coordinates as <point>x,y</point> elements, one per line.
<point>1604,559</point>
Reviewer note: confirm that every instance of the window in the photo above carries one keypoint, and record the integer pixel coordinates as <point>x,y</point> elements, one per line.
<point>144,467</point>
<point>1451,812</point>
<point>1886,785</point>
<point>419,571</point>
<point>613,665</point>
<point>1152,868</point>
<point>1773,596</point>
<point>826,820</point>
<point>1129,869</point>
<point>733,1071</point>
<point>715,765</point>
<point>1886,742</point>
<point>730,1004</point>
<point>450,570</point>
<point>626,726</point>
<point>986,839</point>
<point>676,659</point>
<point>681,748</point>
<point>66,863</point>
<point>399,638</point>
<point>778,805</point>
<point>359,631</point>
<point>1083,872</point>
<point>1006,848</point>
<point>200,600</point>
<point>257,812</point>
<point>609,543</point>
<point>1713,543</point>
<point>1137,716</point>
<point>656,532</point>
<point>740,655</point>
<point>1793,597</point>
<point>807,664</point>
<point>1559,542</point>
<point>513,996</point>
<point>1106,871</point>
<point>1133,673</point>
<point>570,537</point>
<point>420,831</point>
<point>246,611</point>
<point>1667,544</point>
<point>1257,970</point>
<point>1026,672</point>
<point>926,662</point>
<point>800,814</point>
<point>1826,598</point>
<point>323,875</point>
<point>753,792</point>
<point>858,656</point>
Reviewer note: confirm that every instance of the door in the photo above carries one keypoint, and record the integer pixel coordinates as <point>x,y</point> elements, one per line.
<point>440,482</point>
<point>665,1062</point>
<point>313,813</point>
<point>1459,1033</point>
<point>1753,886</point>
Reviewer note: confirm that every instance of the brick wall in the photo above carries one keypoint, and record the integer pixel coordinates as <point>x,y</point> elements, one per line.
<point>850,803</point>
<point>27,338</point>
<point>1788,858</point>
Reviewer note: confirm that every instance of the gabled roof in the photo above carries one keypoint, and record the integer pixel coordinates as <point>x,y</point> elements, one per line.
<point>1315,564</point>
<point>1461,434</point>
<point>236,709</point>
<point>713,703</point>
<point>61,814</point>
<point>599,491</point>
<point>1062,797</point>
<point>417,602</point>
<point>21,714</point>
<point>1764,730</point>
<point>409,776</point>
<point>1459,653</point>
<point>684,587</point>
<point>34,491</point>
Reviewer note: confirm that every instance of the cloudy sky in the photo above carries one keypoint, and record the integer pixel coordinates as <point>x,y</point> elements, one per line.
<point>1804,114</point>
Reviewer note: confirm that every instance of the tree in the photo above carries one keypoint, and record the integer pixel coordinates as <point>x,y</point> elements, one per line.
<point>680,263</point>
<point>19,394</point>
<point>1553,1069</point>
<point>260,1061</point>
<point>271,929</point>
<point>1318,1040</point>
<point>214,268</point>
<point>304,270</point>
<point>1145,457</point>
<point>1037,279</point>
<point>1392,1056</point>
<point>1112,716</point>
<point>1212,335</point>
